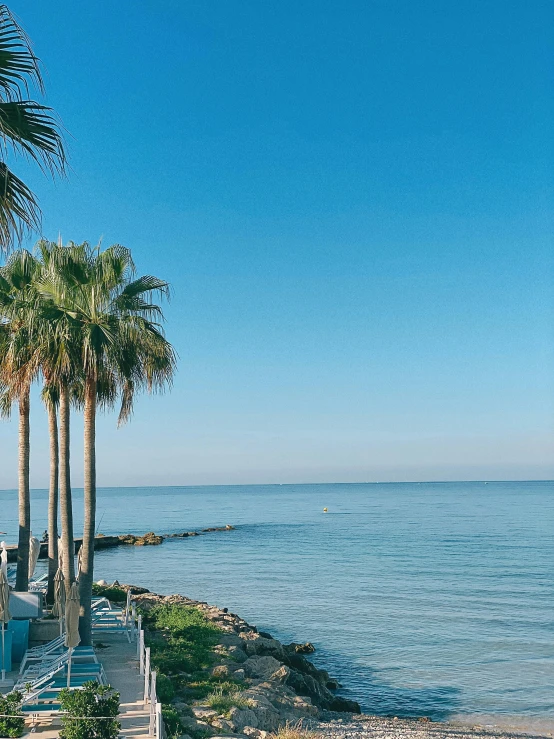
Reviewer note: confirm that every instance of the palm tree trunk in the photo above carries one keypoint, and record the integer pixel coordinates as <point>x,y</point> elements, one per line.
<point>66,507</point>
<point>22,576</point>
<point>87,559</point>
<point>52,501</point>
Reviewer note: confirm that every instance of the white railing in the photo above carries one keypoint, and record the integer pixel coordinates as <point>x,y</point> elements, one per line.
<point>156,724</point>
<point>146,674</point>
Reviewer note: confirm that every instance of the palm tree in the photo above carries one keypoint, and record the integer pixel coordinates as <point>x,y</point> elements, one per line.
<point>26,128</point>
<point>59,363</point>
<point>18,368</point>
<point>50,397</point>
<point>110,319</point>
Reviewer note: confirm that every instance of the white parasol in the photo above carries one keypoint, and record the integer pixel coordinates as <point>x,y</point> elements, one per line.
<point>4,558</point>
<point>4,614</point>
<point>34,551</point>
<point>72,638</point>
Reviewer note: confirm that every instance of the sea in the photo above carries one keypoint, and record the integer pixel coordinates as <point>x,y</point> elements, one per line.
<point>422,599</point>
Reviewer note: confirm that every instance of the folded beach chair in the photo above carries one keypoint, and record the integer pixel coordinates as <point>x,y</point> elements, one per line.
<point>55,661</point>
<point>54,647</point>
<point>57,670</point>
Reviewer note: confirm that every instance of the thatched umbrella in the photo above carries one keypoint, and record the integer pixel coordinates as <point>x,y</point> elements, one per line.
<point>72,638</point>
<point>4,614</point>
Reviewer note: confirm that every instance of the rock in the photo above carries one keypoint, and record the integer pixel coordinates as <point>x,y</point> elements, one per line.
<point>255,733</point>
<point>229,528</point>
<point>102,583</point>
<point>192,725</point>
<point>253,644</point>
<point>149,539</point>
<point>204,713</point>
<point>239,674</point>
<point>237,654</point>
<point>306,648</point>
<point>115,584</point>
<point>261,667</point>
<point>231,640</point>
<point>265,634</point>
<point>333,684</point>
<point>241,717</point>
<point>220,671</point>
<point>223,723</point>
<point>135,590</point>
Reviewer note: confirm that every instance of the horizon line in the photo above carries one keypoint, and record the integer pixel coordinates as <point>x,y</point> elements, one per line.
<point>283,484</point>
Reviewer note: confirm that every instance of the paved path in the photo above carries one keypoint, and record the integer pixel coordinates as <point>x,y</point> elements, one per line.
<point>122,670</point>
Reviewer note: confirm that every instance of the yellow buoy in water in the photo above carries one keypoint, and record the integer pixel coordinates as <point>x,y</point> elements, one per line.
<point>325,510</point>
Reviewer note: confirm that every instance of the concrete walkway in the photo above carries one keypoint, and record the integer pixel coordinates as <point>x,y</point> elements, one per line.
<point>122,670</point>
<point>119,659</point>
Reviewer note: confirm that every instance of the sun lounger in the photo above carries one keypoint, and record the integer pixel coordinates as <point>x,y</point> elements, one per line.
<point>57,662</point>
<point>58,672</point>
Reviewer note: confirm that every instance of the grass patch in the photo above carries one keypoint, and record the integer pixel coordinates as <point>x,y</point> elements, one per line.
<point>183,640</point>
<point>225,697</point>
<point>295,731</point>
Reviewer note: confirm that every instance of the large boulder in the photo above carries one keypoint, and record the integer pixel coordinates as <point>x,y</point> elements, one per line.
<point>241,717</point>
<point>294,648</point>
<point>261,667</point>
<point>305,685</point>
<point>253,644</point>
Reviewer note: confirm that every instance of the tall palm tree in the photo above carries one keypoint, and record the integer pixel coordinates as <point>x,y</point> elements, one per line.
<point>114,323</point>
<point>26,128</point>
<point>58,357</point>
<point>50,397</point>
<point>18,369</point>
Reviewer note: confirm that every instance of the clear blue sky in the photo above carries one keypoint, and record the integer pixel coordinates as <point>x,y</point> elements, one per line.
<point>354,204</point>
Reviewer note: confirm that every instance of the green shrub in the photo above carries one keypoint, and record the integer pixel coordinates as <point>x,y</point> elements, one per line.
<point>99,702</point>
<point>12,722</point>
<point>164,688</point>
<point>116,595</point>
<point>173,725</point>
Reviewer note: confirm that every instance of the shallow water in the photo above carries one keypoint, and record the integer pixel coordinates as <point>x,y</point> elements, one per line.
<point>423,599</point>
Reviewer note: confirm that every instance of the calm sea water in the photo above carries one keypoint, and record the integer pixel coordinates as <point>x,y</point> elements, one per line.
<point>426,599</point>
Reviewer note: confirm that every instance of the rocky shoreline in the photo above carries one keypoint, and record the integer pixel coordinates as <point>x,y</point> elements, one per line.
<point>280,687</point>
<point>107,542</point>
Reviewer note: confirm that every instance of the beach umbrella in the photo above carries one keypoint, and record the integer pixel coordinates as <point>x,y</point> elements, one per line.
<point>72,638</point>
<point>4,613</point>
<point>4,559</point>
<point>34,551</point>
<point>59,598</point>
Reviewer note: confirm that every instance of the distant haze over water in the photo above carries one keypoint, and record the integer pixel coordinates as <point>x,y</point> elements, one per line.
<point>423,599</point>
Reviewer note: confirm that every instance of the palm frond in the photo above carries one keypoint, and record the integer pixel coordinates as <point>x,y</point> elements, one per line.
<point>19,211</point>
<point>32,129</point>
<point>18,63</point>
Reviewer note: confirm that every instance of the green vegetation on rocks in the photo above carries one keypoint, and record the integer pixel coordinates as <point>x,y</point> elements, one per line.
<point>182,641</point>
<point>112,593</point>
<point>225,697</point>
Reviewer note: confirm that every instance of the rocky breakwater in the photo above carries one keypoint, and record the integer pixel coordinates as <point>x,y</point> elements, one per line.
<point>274,683</point>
